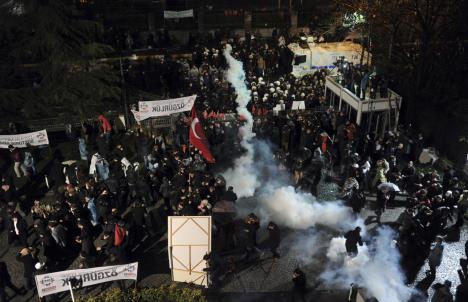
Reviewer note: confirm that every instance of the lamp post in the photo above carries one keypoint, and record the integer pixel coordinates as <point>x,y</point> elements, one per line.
<point>123,93</point>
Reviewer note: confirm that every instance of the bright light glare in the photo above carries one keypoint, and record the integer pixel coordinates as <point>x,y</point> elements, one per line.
<point>351,20</point>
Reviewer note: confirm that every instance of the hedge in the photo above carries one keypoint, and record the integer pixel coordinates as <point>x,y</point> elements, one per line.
<point>165,293</point>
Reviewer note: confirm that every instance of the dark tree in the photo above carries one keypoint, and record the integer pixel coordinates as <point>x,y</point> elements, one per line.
<point>51,61</point>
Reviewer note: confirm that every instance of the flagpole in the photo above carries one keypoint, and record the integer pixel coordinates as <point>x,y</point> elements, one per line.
<point>71,291</point>
<point>189,147</point>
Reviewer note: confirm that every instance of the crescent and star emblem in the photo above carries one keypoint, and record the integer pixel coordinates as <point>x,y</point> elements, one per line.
<point>194,123</point>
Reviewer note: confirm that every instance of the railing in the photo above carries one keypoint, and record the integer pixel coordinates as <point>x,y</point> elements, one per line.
<point>53,124</point>
<point>334,83</point>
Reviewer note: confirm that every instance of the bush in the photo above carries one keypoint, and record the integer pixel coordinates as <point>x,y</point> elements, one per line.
<point>164,293</point>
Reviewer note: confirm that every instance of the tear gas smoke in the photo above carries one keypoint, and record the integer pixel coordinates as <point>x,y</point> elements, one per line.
<point>299,210</point>
<point>242,176</point>
<point>304,246</point>
<point>376,267</point>
<point>257,167</point>
<point>278,201</point>
<point>256,172</point>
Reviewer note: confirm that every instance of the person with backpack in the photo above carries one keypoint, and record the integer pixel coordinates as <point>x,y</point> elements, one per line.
<point>99,167</point>
<point>120,236</point>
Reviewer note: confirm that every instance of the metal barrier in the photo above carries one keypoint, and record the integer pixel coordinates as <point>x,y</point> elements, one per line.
<point>158,122</point>
<point>54,124</point>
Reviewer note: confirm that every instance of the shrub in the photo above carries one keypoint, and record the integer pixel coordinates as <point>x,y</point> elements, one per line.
<point>165,293</point>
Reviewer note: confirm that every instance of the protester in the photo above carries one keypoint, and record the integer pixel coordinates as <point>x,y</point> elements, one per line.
<point>17,230</point>
<point>26,257</point>
<point>442,292</point>
<point>299,285</point>
<point>435,256</point>
<point>113,193</point>
<point>5,281</point>
<point>353,238</point>
<point>274,238</point>
<point>17,160</point>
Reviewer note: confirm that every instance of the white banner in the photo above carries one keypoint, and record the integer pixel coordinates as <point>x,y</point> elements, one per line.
<point>37,138</point>
<point>172,14</point>
<point>52,283</point>
<point>164,107</point>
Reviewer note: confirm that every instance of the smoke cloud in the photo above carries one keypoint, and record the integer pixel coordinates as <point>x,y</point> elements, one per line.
<point>296,210</point>
<point>256,173</point>
<point>376,267</point>
<point>277,200</point>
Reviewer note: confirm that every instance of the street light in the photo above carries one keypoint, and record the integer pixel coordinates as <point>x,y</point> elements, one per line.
<point>124,91</point>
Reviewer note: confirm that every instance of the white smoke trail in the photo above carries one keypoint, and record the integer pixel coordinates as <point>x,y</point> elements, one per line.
<point>299,210</point>
<point>242,176</point>
<point>377,270</point>
<point>256,172</point>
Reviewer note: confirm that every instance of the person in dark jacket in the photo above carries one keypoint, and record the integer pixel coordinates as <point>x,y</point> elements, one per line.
<point>88,250</point>
<point>5,281</point>
<point>461,294</point>
<point>26,257</point>
<point>17,230</point>
<point>8,192</point>
<point>251,226</point>
<point>229,195</point>
<point>141,221</point>
<point>16,157</point>
<point>299,281</point>
<point>165,191</point>
<point>442,292</point>
<point>435,256</point>
<point>138,213</point>
<point>352,239</point>
<point>55,177</point>
<point>52,251</point>
<point>274,238</point>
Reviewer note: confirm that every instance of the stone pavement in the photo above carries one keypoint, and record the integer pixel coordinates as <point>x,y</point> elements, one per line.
<point>453,251</point>
<point>268,276</point>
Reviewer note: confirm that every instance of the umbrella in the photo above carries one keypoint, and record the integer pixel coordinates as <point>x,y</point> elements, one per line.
<point>224,206</point>
<point>388,186</point>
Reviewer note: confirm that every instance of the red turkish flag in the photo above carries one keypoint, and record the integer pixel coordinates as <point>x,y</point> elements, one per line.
<point>198,138</point>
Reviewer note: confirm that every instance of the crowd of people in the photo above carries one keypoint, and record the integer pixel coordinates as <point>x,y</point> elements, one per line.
<point>110,188</point>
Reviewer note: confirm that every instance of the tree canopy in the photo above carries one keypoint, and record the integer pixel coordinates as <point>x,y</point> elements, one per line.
<point>421,44</point>
<point>49,61</point>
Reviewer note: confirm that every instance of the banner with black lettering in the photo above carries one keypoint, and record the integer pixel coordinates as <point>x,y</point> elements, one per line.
<point>172,14</point>
<point>164,107</point>
<point>37,138</point>
<point>52,283</point>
